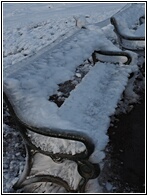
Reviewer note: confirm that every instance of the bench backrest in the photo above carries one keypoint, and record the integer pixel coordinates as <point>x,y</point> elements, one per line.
<point>131,15</point>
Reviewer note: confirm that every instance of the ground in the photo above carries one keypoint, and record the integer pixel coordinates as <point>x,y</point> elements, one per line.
<point>125,160</point>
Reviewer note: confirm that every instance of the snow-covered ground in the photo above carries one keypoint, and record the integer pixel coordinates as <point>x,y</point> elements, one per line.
<point>29,28</point>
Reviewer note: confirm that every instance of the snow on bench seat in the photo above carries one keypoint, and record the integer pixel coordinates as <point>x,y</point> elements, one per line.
<point>94,100</point>
<point>30,84</point>
<point>128,26</point>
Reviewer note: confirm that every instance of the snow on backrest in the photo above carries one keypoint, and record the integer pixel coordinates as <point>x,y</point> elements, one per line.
<point>131,15</point>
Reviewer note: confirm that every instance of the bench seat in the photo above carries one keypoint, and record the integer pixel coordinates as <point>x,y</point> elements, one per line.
<point>58,132</point>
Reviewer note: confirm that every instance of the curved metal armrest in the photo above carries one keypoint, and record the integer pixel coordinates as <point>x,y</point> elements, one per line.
<point>122,35</point>
<point>68,135</point>
<point>116,53</point>
<point>53,132</point>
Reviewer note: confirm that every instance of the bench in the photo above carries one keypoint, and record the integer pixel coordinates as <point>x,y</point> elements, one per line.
<point>130,28</point>
<point>65,145</point>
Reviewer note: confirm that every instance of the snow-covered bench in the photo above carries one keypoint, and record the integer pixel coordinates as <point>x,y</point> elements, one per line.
<point>129,26</point>
<point>65,145</point>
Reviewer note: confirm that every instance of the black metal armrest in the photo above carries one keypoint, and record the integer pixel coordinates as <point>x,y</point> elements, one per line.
<point>114,53</point>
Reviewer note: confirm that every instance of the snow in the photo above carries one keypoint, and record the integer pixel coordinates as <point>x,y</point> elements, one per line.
<point>31,32</point>
<point>141,30</point>
<point>27,29</point>
<point>94,109</point>
<point>128,17</point>
<point>108,186</point>
<point>29,89</point>
<point>129,25</point>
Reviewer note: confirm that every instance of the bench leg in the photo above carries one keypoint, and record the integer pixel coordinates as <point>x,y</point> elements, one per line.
<point>27,168</point>
<point>88,171</point>
<point>25,178</point>
<point>47,178</point>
